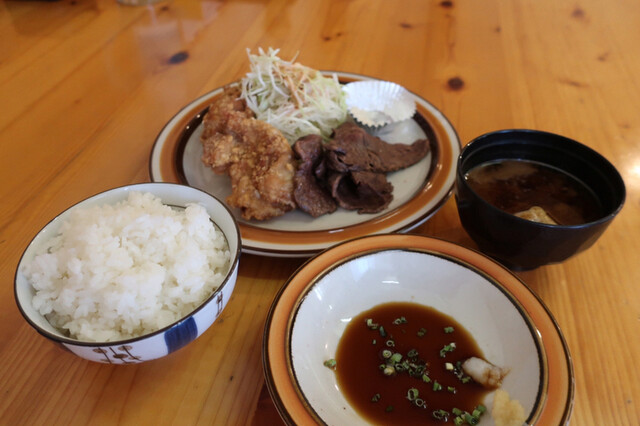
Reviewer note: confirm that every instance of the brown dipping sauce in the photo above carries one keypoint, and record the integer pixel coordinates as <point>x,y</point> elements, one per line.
<point>517,185</point>
<point>360,378</point>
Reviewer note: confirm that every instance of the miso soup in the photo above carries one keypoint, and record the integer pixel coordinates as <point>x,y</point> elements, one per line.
<point>518,185</point>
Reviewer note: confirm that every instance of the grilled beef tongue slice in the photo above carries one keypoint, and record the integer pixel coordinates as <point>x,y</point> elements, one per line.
<point>309,193</point>
<point>367,192</point>
<point>353,149</point>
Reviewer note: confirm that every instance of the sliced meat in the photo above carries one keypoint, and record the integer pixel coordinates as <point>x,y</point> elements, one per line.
<point>367,192</point>
<point>309,193</point>
<point>353,149</point>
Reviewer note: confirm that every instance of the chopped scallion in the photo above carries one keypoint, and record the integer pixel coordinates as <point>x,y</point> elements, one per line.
<point>371,324</point>
<point>330,363</point>
<point>447,348</point>
<point>412,394</point>
<point>401,320</point>
<point>441,415</point>
<point>470,419</point>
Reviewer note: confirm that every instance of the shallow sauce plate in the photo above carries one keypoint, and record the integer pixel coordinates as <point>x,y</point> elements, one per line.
<point>510,324</point>
<point>419,191</point>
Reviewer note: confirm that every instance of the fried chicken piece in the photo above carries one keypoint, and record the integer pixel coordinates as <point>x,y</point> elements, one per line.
<point>255,154</point>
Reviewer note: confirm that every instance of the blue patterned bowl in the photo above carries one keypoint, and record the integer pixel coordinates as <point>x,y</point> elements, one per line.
<point>161,342</point>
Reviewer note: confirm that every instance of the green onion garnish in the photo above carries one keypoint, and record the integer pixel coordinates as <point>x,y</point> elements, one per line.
<point>412,394</point>
<point>448,330</point>
<point>330,363</point>
<point>470,419</point>
<point>447,348</point>
<point>437,386</point>
<point>371,324</point>
<point>375,398</point>
<point>441,415</point>
<point>401,320</point>
<point>422,332</point>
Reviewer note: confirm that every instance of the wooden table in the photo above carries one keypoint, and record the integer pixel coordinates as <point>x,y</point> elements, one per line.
<point>86,85</point>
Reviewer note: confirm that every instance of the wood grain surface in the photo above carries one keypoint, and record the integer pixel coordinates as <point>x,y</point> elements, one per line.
<point>86,85</point>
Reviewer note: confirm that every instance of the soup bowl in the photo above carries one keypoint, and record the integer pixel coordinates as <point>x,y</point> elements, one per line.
<point>152,344</point>
<point>523,244</point>
<point>510,324</point>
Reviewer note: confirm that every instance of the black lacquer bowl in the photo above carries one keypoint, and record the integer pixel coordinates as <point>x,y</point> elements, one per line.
<point>522,244</point>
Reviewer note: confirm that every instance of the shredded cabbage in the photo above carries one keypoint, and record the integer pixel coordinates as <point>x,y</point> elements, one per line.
<point>295,99</point>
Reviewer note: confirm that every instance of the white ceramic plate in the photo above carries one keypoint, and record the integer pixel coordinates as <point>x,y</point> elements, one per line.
<point>511,325</point>
<point>419,191</point>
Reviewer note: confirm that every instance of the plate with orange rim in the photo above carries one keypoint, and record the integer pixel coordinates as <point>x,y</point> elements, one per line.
<point>418,191</point>
<point>510,324</point>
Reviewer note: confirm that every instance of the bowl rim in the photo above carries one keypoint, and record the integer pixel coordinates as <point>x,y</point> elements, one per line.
<point>67,340</point>
<point>540,133</point>
<point>295,410</point>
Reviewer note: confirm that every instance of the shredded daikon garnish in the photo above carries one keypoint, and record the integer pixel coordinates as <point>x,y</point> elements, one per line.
<point>295,99</point>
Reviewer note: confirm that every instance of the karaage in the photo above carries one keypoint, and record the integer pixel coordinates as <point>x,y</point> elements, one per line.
<point>255,155</point>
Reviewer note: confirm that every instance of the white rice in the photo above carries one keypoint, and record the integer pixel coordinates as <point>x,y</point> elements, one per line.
<point>124,270</point>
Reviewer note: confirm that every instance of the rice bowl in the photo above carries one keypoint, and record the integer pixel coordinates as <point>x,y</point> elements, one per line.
<point>124,270</point>
<point>130,274</point>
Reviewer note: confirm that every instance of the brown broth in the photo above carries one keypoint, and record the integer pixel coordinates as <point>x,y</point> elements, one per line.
<point>517,185</point>
<point>359,375</point>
